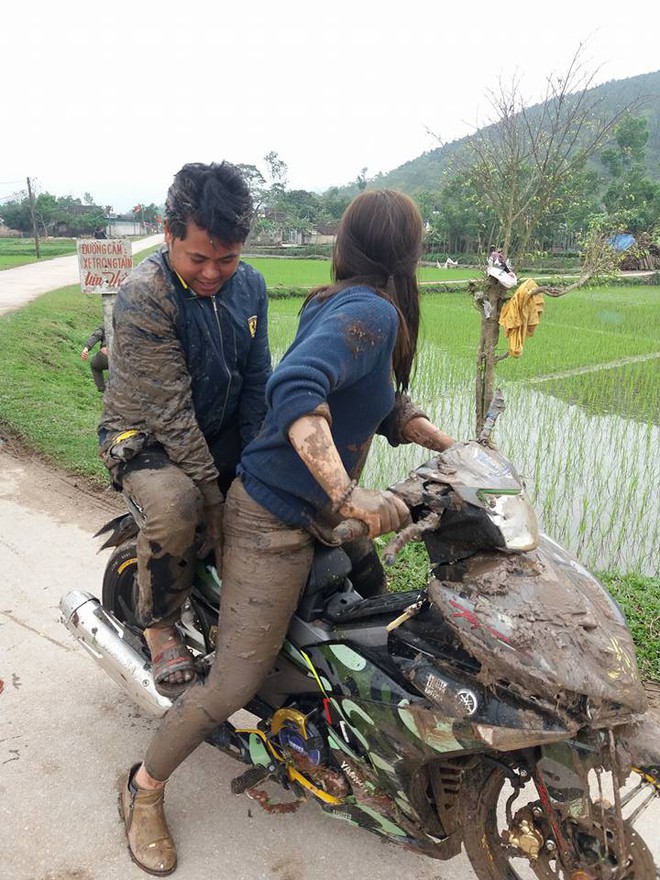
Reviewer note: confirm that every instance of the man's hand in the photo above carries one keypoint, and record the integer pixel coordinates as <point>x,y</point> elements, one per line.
<point>104,350</point>
<point>84,353</point>
<point>383,512</point>
<point>213,534</point>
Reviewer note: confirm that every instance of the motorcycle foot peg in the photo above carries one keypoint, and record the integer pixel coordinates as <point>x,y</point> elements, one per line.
<point>249,779</point>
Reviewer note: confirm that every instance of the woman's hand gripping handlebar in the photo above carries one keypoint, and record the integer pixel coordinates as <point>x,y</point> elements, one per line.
<point>370,512</point>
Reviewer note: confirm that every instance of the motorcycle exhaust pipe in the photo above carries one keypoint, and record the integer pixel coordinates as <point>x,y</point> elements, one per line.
<point>102,636</point>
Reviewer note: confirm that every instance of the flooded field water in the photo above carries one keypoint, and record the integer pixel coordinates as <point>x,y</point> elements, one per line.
<point>594,479</point>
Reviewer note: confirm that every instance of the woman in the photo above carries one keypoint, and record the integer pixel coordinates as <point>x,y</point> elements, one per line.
<point>330,394</point>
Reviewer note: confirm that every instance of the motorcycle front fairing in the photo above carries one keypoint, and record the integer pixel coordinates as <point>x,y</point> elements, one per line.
<point>542,623</point>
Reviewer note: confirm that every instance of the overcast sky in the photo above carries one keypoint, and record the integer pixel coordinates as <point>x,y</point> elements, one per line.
<point>113,98</point>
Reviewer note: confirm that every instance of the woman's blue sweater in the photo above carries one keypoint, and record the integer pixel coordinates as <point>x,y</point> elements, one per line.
<point>341,356</point>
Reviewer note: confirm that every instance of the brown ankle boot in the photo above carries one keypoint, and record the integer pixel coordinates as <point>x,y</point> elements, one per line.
<point>149,840</point>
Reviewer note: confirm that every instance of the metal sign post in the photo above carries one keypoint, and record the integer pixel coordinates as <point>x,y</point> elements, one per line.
<point>103,265</point>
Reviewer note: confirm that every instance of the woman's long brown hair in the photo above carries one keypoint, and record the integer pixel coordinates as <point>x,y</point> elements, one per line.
<point>379,242</point>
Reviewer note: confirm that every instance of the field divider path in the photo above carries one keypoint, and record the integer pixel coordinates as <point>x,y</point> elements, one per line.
<point>594,368</point>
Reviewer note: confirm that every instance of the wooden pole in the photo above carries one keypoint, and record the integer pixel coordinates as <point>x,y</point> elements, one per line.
<point>34,222</point>
<point>108,305</point>
<point>490,334</point>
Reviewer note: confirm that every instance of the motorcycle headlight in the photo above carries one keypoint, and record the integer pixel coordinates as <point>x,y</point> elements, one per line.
<point>514,516</point>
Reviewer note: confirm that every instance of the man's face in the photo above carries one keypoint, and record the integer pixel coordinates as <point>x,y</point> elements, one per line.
<point>204,262</point>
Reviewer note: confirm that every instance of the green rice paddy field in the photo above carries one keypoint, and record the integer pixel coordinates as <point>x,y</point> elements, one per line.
<point>284,272</point>
<point>19,251</point>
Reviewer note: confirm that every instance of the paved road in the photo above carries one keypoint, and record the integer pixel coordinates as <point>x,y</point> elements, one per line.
<point>25,283</point>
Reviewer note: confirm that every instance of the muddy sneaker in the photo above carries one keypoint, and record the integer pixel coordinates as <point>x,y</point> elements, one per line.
<point>149,840</point>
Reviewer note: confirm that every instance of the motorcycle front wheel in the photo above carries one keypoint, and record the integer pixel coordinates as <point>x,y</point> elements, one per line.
<point>506,845</point>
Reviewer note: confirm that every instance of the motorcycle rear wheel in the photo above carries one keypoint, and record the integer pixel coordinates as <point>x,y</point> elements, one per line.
<point>120,590</point>
<point>483,794</point>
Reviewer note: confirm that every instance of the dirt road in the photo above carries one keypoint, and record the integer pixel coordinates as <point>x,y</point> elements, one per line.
<point>67,732</point>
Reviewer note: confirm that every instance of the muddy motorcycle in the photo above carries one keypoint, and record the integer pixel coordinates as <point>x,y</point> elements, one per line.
<point>500,708</point>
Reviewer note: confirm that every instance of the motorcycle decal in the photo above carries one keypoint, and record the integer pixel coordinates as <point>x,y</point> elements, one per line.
<point>469,700</point>
<point>350,709</point>
<point>324,684</point>
<point>387,827</point>
<point>435,687</point>
<point>352,776</point>
<point>440,737</point>
<point>344,812</point>
<point>626,666</point>
<point>470,616</point>
<point>292,652</point>
<point>403,803</point>
<point>381,763</point>
<point>339,745</point>
<point>350,659</point>
<point>259,755</point>
<point>125,565</point>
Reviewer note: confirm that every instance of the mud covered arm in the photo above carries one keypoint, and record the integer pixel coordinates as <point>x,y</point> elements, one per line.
<point>407,423</point>
<point>312,439</point>
<point>424,433</point>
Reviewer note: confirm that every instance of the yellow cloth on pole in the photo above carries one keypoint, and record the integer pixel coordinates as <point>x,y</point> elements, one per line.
<point>521,314</point>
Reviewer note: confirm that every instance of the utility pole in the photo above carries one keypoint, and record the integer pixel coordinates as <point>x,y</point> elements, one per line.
<point>34,222</point>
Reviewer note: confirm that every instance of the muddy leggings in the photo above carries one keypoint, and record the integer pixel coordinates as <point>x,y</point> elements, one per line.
<point>265,567</point>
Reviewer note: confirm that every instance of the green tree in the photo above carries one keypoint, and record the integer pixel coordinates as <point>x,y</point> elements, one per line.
<point>256,183</point>
<point>334,203</point>
<point>16,214</point>
<point>152,213</point>
<point>631,197</point>
<point>629,148</point>
<point>267,193</point>
<point>46,210</point>
<point>301,210</point>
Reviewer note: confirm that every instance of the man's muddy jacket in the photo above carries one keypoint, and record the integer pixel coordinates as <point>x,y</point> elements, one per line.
<point>184,367</point>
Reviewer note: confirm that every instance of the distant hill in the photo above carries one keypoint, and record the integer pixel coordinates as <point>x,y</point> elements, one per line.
<point>425,172</point>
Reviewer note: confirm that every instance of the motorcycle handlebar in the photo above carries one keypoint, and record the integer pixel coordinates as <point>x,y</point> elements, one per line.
<point>350,530</point>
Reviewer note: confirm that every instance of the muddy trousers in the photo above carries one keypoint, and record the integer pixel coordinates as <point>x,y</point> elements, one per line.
<point>172,506</point>
<point>98,364</point>
<point>265,568</point>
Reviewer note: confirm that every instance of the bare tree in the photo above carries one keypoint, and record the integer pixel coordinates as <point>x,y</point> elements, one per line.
<point>523,164</point>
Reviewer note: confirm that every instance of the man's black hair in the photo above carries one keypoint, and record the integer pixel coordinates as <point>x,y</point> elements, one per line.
<point>215,197</point>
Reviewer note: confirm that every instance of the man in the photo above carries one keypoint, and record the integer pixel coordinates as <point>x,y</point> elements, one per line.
<point>186,393</point>
<point>99,363</point>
